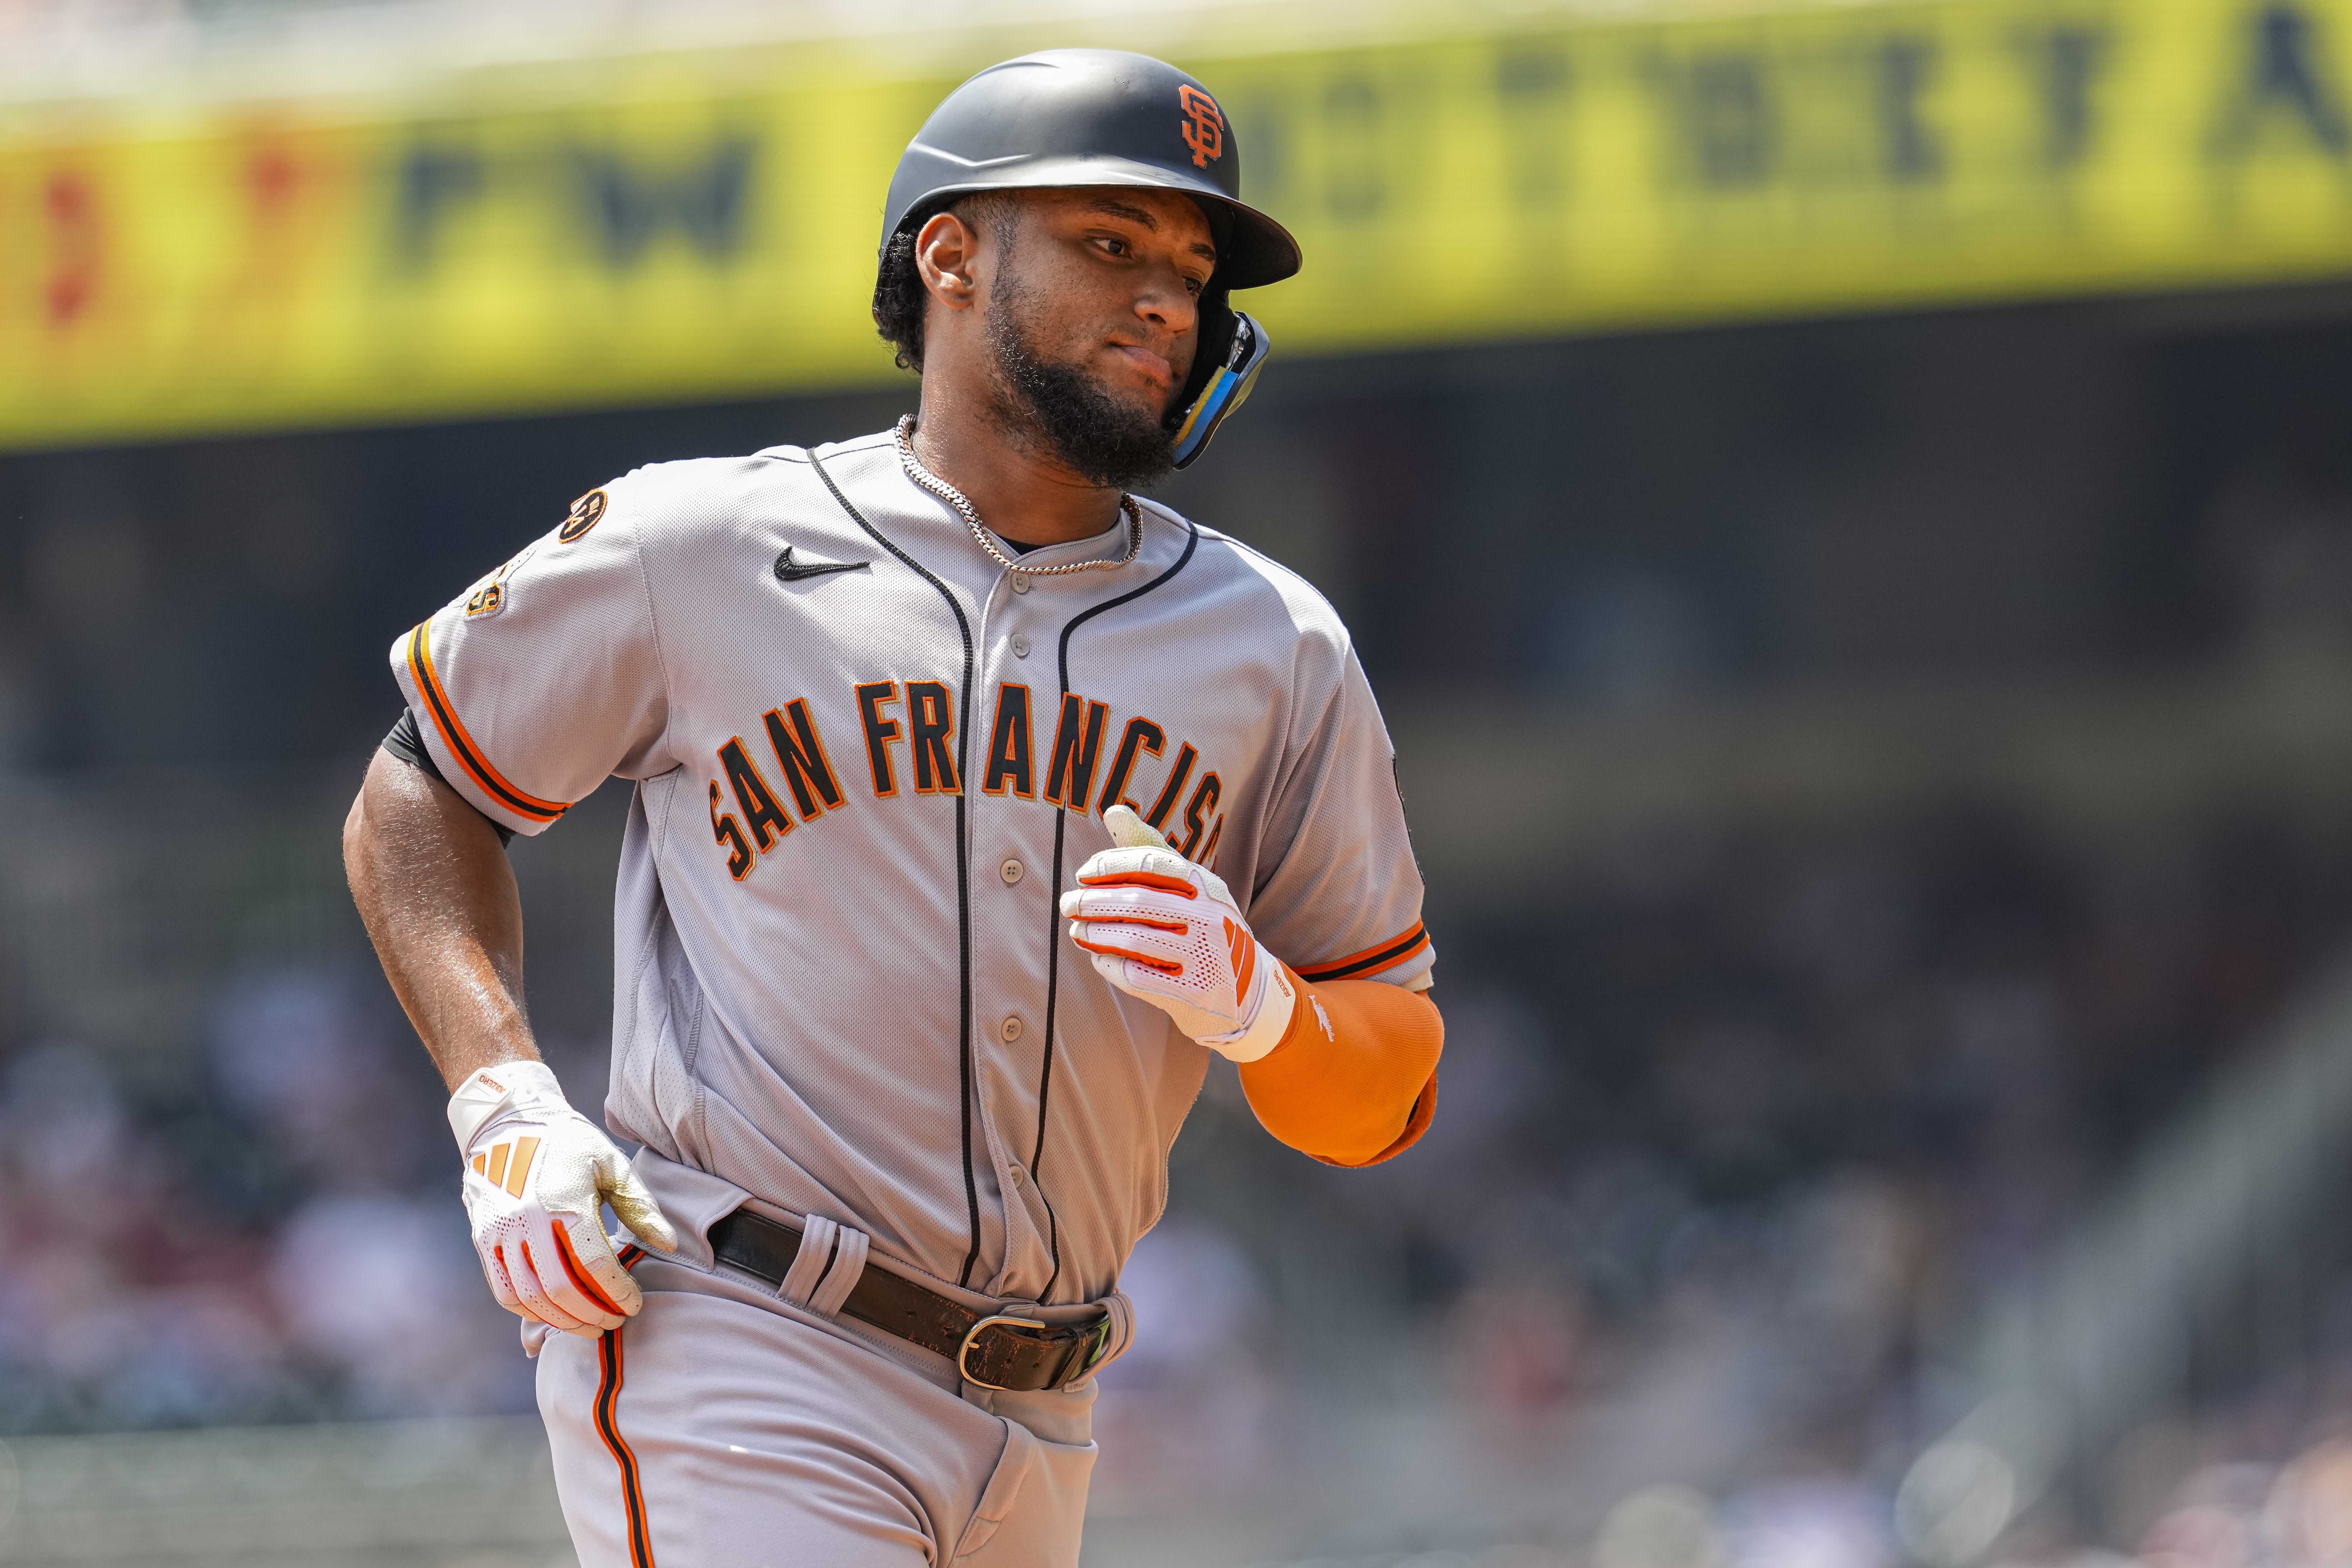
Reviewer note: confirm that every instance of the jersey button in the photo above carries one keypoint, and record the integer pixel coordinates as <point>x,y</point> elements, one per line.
<point>1012,871</point>
<point>1016,1175</point>
<point>1020,584</point>
<point>1021,647</point>
<point>1011,1028</point>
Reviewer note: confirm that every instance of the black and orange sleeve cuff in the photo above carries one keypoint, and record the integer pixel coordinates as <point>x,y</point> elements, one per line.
<point>495,786</point>
<point>1399,949</point>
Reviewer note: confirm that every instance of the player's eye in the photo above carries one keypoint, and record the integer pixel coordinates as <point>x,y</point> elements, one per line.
<point>1116,246</point>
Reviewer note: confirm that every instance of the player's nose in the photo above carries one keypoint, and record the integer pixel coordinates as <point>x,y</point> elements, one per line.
<point>1168,305</point>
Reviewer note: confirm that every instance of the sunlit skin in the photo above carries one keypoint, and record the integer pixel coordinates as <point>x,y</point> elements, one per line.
<point>433,884</point>
<point>1112,280</point>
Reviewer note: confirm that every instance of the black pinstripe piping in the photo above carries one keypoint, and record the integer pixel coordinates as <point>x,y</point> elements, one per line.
<point>632,1496</point>
<point>1054,929</point>
<point>963,867</point>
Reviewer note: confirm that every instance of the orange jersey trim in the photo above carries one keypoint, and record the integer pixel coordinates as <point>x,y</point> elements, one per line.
<point>1371,960</point>
<point>453,734</point>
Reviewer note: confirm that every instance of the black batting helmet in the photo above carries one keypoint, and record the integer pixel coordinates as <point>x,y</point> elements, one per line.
<point>1090,117</point>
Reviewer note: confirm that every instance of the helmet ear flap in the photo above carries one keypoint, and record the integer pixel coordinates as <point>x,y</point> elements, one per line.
<point>1232,351</point>
<point>1216,344</point>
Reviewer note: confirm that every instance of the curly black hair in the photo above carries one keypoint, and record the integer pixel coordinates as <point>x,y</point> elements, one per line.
<point>899,297</point>
<point>900,301</point>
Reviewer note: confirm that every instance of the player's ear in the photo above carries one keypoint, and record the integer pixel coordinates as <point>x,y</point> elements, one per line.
<point>946,248</point>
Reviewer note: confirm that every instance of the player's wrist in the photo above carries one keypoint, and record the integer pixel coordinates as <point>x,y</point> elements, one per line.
<point>1268,1026</point>
<point>491,1094</point>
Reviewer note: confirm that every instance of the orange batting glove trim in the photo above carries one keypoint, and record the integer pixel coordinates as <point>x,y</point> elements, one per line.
<point>1176,885</point>
<point>1354,1081</point>
<point>1163,966</point>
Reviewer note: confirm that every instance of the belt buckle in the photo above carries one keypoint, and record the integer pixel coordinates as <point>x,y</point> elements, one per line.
<point>963,1351</point>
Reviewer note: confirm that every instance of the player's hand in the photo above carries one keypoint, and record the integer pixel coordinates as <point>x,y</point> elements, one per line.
<point>537,1176</point>
<point>1167,931</point>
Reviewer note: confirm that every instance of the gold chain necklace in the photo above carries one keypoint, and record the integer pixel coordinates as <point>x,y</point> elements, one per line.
<point>970,514</point>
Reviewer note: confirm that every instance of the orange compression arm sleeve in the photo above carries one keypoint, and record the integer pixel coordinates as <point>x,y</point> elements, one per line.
<point>1360,1092</point>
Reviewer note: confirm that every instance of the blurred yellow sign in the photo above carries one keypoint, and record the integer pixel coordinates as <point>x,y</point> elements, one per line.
<point>686,228</point>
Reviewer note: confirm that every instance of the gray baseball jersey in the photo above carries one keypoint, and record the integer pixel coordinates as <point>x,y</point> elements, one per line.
<point>868,760</point>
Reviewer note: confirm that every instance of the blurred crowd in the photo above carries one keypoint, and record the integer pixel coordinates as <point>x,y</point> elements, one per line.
<point>2226,1513</point>
<point>1735,1144</point>
<point>1727,1139</point>
<point>279,1239</point>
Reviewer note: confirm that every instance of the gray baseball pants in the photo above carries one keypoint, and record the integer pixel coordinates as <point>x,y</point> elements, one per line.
<point>723,1428</point>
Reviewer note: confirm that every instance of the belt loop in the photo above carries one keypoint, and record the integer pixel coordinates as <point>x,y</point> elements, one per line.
<point>849,1263</point>
<point>818,1235</point>
<point>1119,1315</point>
<point>826,1266</point>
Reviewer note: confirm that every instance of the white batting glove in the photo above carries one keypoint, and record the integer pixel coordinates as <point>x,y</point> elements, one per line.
<point>1167,931</point>
<point>537,1176</point>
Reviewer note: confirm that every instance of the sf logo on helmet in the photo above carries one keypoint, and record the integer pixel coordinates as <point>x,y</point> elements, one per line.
<point>1204,132</point>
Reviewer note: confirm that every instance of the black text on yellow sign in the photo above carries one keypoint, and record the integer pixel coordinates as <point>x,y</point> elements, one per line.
<point>708,230</point>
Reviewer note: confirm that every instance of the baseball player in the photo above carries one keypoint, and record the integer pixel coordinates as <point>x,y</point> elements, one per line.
<point>977,801</point>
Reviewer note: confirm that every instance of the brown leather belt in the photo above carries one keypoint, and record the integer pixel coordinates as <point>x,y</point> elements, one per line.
<point>994,1350</point>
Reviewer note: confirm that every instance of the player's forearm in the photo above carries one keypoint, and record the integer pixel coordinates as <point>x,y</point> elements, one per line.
<point>1348,1096</point>
<point>433,884</point>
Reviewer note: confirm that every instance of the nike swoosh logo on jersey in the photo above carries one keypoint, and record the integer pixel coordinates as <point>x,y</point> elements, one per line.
<point>791,571</point>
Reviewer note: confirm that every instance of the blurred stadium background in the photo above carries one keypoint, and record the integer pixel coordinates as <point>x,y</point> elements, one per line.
<point>1849,510</point>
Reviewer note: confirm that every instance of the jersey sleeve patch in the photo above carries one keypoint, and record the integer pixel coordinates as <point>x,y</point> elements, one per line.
<point>461,744</point>
<point>584,515</point>
<point>1371,960</point>
<point>490,594</point>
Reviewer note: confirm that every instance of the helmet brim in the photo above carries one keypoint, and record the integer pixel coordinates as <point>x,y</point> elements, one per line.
<point>1254,252</point>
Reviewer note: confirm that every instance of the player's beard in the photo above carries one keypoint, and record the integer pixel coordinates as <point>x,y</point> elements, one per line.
<point>1104,440</point>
